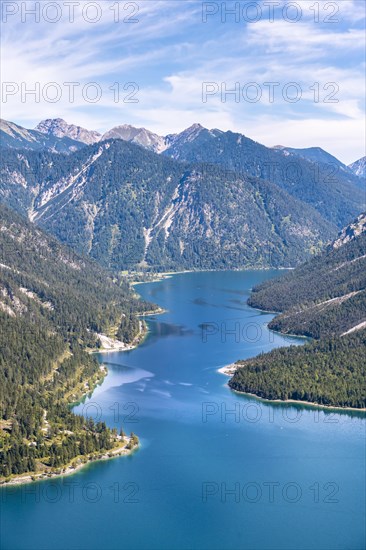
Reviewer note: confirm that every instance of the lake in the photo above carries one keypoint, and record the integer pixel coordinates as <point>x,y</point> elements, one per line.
<point>216,470</point>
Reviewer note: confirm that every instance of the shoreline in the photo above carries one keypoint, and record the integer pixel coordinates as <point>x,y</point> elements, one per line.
<point>69,469</point>
<point>228,370</point>
<point>160,276</point>
<point>85,460</point>
<point>118,345</point>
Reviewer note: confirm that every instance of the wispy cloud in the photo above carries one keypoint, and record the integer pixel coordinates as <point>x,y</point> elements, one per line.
<point>170,52</point>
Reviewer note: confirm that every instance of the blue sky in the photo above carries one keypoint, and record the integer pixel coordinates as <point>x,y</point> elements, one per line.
<point>173,48</point>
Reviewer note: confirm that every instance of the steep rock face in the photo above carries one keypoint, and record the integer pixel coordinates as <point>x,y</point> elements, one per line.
<point>59,128</point>
<point>128,207</point>
<point>13,136</point>
<point>351,232</point>
<point>359,167</point>
<point>151,141</point>
<point>139,136</point>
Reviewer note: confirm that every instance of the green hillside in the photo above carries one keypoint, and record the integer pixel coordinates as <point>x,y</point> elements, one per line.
<point>325,299</point>
<point>53,305</point>
<point>329,372</point>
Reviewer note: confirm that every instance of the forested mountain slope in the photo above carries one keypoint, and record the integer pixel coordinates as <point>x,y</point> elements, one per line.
<point>326,299</point>
<point>327,295</point>
<point>53,305</point>
<point>315,154</point>
<point>128,207</point>
<point>329,372</point>
<point>335,193</point>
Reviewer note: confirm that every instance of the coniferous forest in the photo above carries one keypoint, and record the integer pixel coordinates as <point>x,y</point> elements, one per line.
<point>324,299</point>
<point>53,305</point>
<point>329,372</point>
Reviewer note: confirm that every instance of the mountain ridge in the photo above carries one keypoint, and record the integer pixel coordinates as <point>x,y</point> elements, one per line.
<point>13,136</point>
<point>325,296</point>
<point>324,299</point>
<point>59,128</point>
<point>55,307</point>
<point>126,206</point>
<point>195,180</point>
<point>359,167</point>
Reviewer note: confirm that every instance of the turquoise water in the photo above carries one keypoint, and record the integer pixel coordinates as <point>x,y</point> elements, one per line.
<point>216,470</point>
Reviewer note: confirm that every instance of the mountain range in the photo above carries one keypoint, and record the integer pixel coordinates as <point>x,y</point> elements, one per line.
<point>58,128</point>
<point>129,208</point>
<point>200,199</point>
<point>13,136</point>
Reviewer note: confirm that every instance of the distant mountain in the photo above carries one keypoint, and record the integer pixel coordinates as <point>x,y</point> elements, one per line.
<point>359,167</point>
<point>13,136</point>
<point>128,207</point>
<point>319,156</point>
<point>314,154</point>
<point>310,175</point>
<point>334,192</point>
<point>57,127</point>
<point>177,141</point>
<point>140,136</point>
<point>151,141</point>
<point>325,299</point>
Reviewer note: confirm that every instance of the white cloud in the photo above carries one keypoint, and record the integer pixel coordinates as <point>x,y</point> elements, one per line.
<point>170,53</point>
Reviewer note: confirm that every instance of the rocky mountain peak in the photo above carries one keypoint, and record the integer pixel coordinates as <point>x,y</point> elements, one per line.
<point>140,136</point>
<point>60,128</point>
<point>193,131</point>
<point>359,167</point>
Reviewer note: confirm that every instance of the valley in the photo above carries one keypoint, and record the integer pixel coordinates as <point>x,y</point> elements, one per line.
<point>182,275</point>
